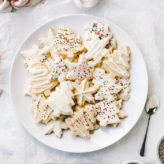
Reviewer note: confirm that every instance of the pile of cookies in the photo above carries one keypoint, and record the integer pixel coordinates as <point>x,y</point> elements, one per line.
<point>78,84</point>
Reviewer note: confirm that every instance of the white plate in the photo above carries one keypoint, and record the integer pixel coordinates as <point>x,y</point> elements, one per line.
<point>104,136</point>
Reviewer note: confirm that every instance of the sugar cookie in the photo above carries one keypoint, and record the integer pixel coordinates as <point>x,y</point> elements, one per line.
<point>84,93</point>
<point>79,71</point>
<point>108,86</point>
<point>42,113</point>
<point>117,64</point>
<point>60,100</point>
<point>82,122</point>
<point>57,127</point>
<point>107,112</point>
<point>39,79</point>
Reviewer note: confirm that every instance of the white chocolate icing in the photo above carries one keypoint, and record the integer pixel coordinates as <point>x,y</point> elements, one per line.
<point>47,43</point>
<point>83,121</point>
<point>84,93</point>
<point>5,6</point>
<point>39,78</point>
<point>108,86</point>
<point>96,49</point>
<point>118,62</point>
<point>67,42</point>
<point>33,55</point>
<point>59,69</point>
<point>125,84</point>
<point>102,31</point>
<point>107,112</point>
<point>60,100</point>
<point>42,113</point>
<point>57,127</point>
<point>79,71</point>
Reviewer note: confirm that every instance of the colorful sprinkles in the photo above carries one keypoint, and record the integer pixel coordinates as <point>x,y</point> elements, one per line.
<point>79,71</point>
<point>83,121</point>
<point>99,29</point>
<point>59,69</point>
<point>107,112</point>
<point>67,42</point>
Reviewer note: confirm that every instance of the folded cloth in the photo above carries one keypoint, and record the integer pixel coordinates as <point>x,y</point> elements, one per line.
<point>5,6</point>
<point>24,3</point>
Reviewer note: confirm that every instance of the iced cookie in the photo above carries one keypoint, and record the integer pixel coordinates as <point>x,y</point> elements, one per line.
<point>107,112</point>
<point>59,69</point>
<point>42,113</point>
<point>96,49</point>
<point>79,71</point>
<point>68,43</point>
<point>61,100</point>
<point>57,127</point>
<point>47,44</point>
<point>117,64</point>
<point>83,92</point>
<point>32,56</point>
<point>39,81</point>
<point>83,121</point>
<point>108,87</point>
<point>125,84</point>
<point>102,31</point>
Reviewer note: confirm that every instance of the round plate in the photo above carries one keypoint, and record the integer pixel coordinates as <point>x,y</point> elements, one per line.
<point>104,136</point>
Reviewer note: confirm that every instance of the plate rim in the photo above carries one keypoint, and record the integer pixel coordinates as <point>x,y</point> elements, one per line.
<point>13,63</point>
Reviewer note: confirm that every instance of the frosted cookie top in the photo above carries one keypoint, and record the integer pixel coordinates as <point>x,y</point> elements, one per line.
<point>107,112</point>
<point>98,28</point>
<point>102,31</point>
<point>108,86</point>
<point>42,112</point>
<point>39,81</point>
<point>33,55</point>
<point>84,92</point>
<point>67,42</point>
<point>118,62</point>
<point>59,69</point>
<point>96,49</point>
<point>83,121</point>
<point>56,127</point>
<point>79,71</point>
<point>61,100</point>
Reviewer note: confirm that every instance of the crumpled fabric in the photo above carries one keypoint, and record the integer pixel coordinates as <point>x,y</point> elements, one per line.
<point>143,21</point>
<point>6,5</point>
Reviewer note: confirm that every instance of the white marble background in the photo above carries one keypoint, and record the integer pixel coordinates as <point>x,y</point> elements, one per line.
<point>143,20</point>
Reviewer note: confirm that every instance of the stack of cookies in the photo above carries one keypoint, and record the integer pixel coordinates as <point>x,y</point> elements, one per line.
<point>78,84</point>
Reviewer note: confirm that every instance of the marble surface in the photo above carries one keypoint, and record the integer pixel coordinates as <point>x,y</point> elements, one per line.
<point>143,21</point>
